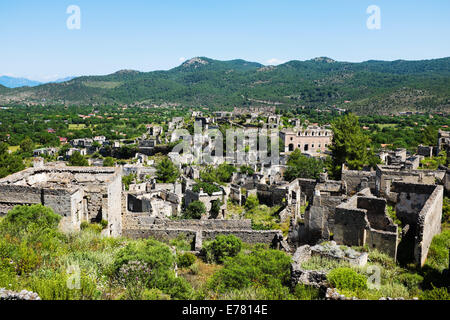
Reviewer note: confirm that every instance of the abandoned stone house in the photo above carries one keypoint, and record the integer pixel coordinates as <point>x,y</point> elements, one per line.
<point>313,140</point>
<point>76,193</point>
<point>220,197</point>
<point>354,211</point>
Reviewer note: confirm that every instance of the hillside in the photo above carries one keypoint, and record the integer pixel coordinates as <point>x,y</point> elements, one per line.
<point>367,87</point>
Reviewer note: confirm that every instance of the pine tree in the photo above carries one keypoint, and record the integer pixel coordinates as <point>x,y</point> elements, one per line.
<point>350,145</point>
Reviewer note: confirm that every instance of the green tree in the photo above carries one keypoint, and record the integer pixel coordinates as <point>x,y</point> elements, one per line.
<point>195,210</point>
<point>9,163</point>
<point>27,145</point>
<point>166,171</point>
<point>301,166</point>
<point>77,160</point>
<point>429,136</point>
<point>109,162</point>
<point>350,145</point>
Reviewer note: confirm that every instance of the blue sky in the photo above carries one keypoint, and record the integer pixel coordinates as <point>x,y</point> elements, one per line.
<point>151,35</point>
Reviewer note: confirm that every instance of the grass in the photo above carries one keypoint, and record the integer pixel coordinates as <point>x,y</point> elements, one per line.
<point>323,264</point>
<point>102,84</point>
<point>77,126</point>
<point>203,271</point>
<point>14,148</point>
<point>264,217</point>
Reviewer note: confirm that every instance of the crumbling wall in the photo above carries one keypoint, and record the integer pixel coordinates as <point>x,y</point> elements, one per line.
<point>350,226</point>
<point>114,206</point>
<point>420,207</point>
<point>12,195</point>
<point>357,180</point>
<point>319,219</point>
<point>362,220</point>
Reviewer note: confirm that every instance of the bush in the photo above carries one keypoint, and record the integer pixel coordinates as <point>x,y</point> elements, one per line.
<point>194,269</point>
<point>55,287</point>
<point>94,227</point>
<point>181,243</point>
<point>185,260</point>
<point>410,280</point>
<point>154,294</point>
<point>195,210</point>
<point>221,248</point>
<point>135,276</point>
<point>303,292</point>
<point>155,254</point>
<point>207,187</point>
<point>347,279</point>
<point>435,294</point>
<point>260,268</point>
<point>251,202</point>
<point>160,259</point>
<point>382,259</point>
<point>36,217</point>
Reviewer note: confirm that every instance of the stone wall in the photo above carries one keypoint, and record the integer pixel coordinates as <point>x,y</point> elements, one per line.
<point>420,207</point>
<point>358,180</point>
<point>75,193</point>
<point>268,237</point>
<point>362,220</point>
<point>387,175</point>
<point>144,221</point>
<point>114,206</point>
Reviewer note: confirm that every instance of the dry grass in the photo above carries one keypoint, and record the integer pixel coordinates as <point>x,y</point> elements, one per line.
<point>205,271</point>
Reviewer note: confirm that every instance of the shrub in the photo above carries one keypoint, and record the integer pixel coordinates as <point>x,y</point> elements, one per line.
<point>381,258</point>
<point>94,227</point>
<point>251,202</point>
<point>215,208</point>
<point>181,243</point>
<point>221,248</point>
<point>160,259</point>
<point>56,287</point>
<point>177,287</point>
<point>155,254</point>
<point>195,210</point>
<point>410,280</point>
<point>185,260</point>
<point>207,187</point>
<point>36,217</point>
<point>260,268</point>
<point>154,294</point>
<point>435,294</point>
<point>347,279</point>
<point>194,269</point>
<point>303,292</point>
<point>134,276</point>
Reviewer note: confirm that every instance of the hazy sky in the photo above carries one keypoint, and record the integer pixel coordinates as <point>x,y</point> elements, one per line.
<point>150,35</point>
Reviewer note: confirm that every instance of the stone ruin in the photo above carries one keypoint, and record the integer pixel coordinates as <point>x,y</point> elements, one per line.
<point>362,220</point>
<point>76,193</point>
<point>353,211</point>
<point>139,226</point>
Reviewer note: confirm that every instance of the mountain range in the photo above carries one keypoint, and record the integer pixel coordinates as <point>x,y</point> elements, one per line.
<point>366,87</point>
<point>13,82</point>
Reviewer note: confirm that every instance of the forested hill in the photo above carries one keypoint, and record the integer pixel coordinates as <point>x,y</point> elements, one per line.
<point>371,86</point>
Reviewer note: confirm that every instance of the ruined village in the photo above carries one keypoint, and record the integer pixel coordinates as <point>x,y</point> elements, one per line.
<point>339,220</point>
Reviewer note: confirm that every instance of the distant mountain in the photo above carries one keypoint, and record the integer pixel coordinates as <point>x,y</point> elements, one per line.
<point>367,87</point>
<point>12,82</point>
